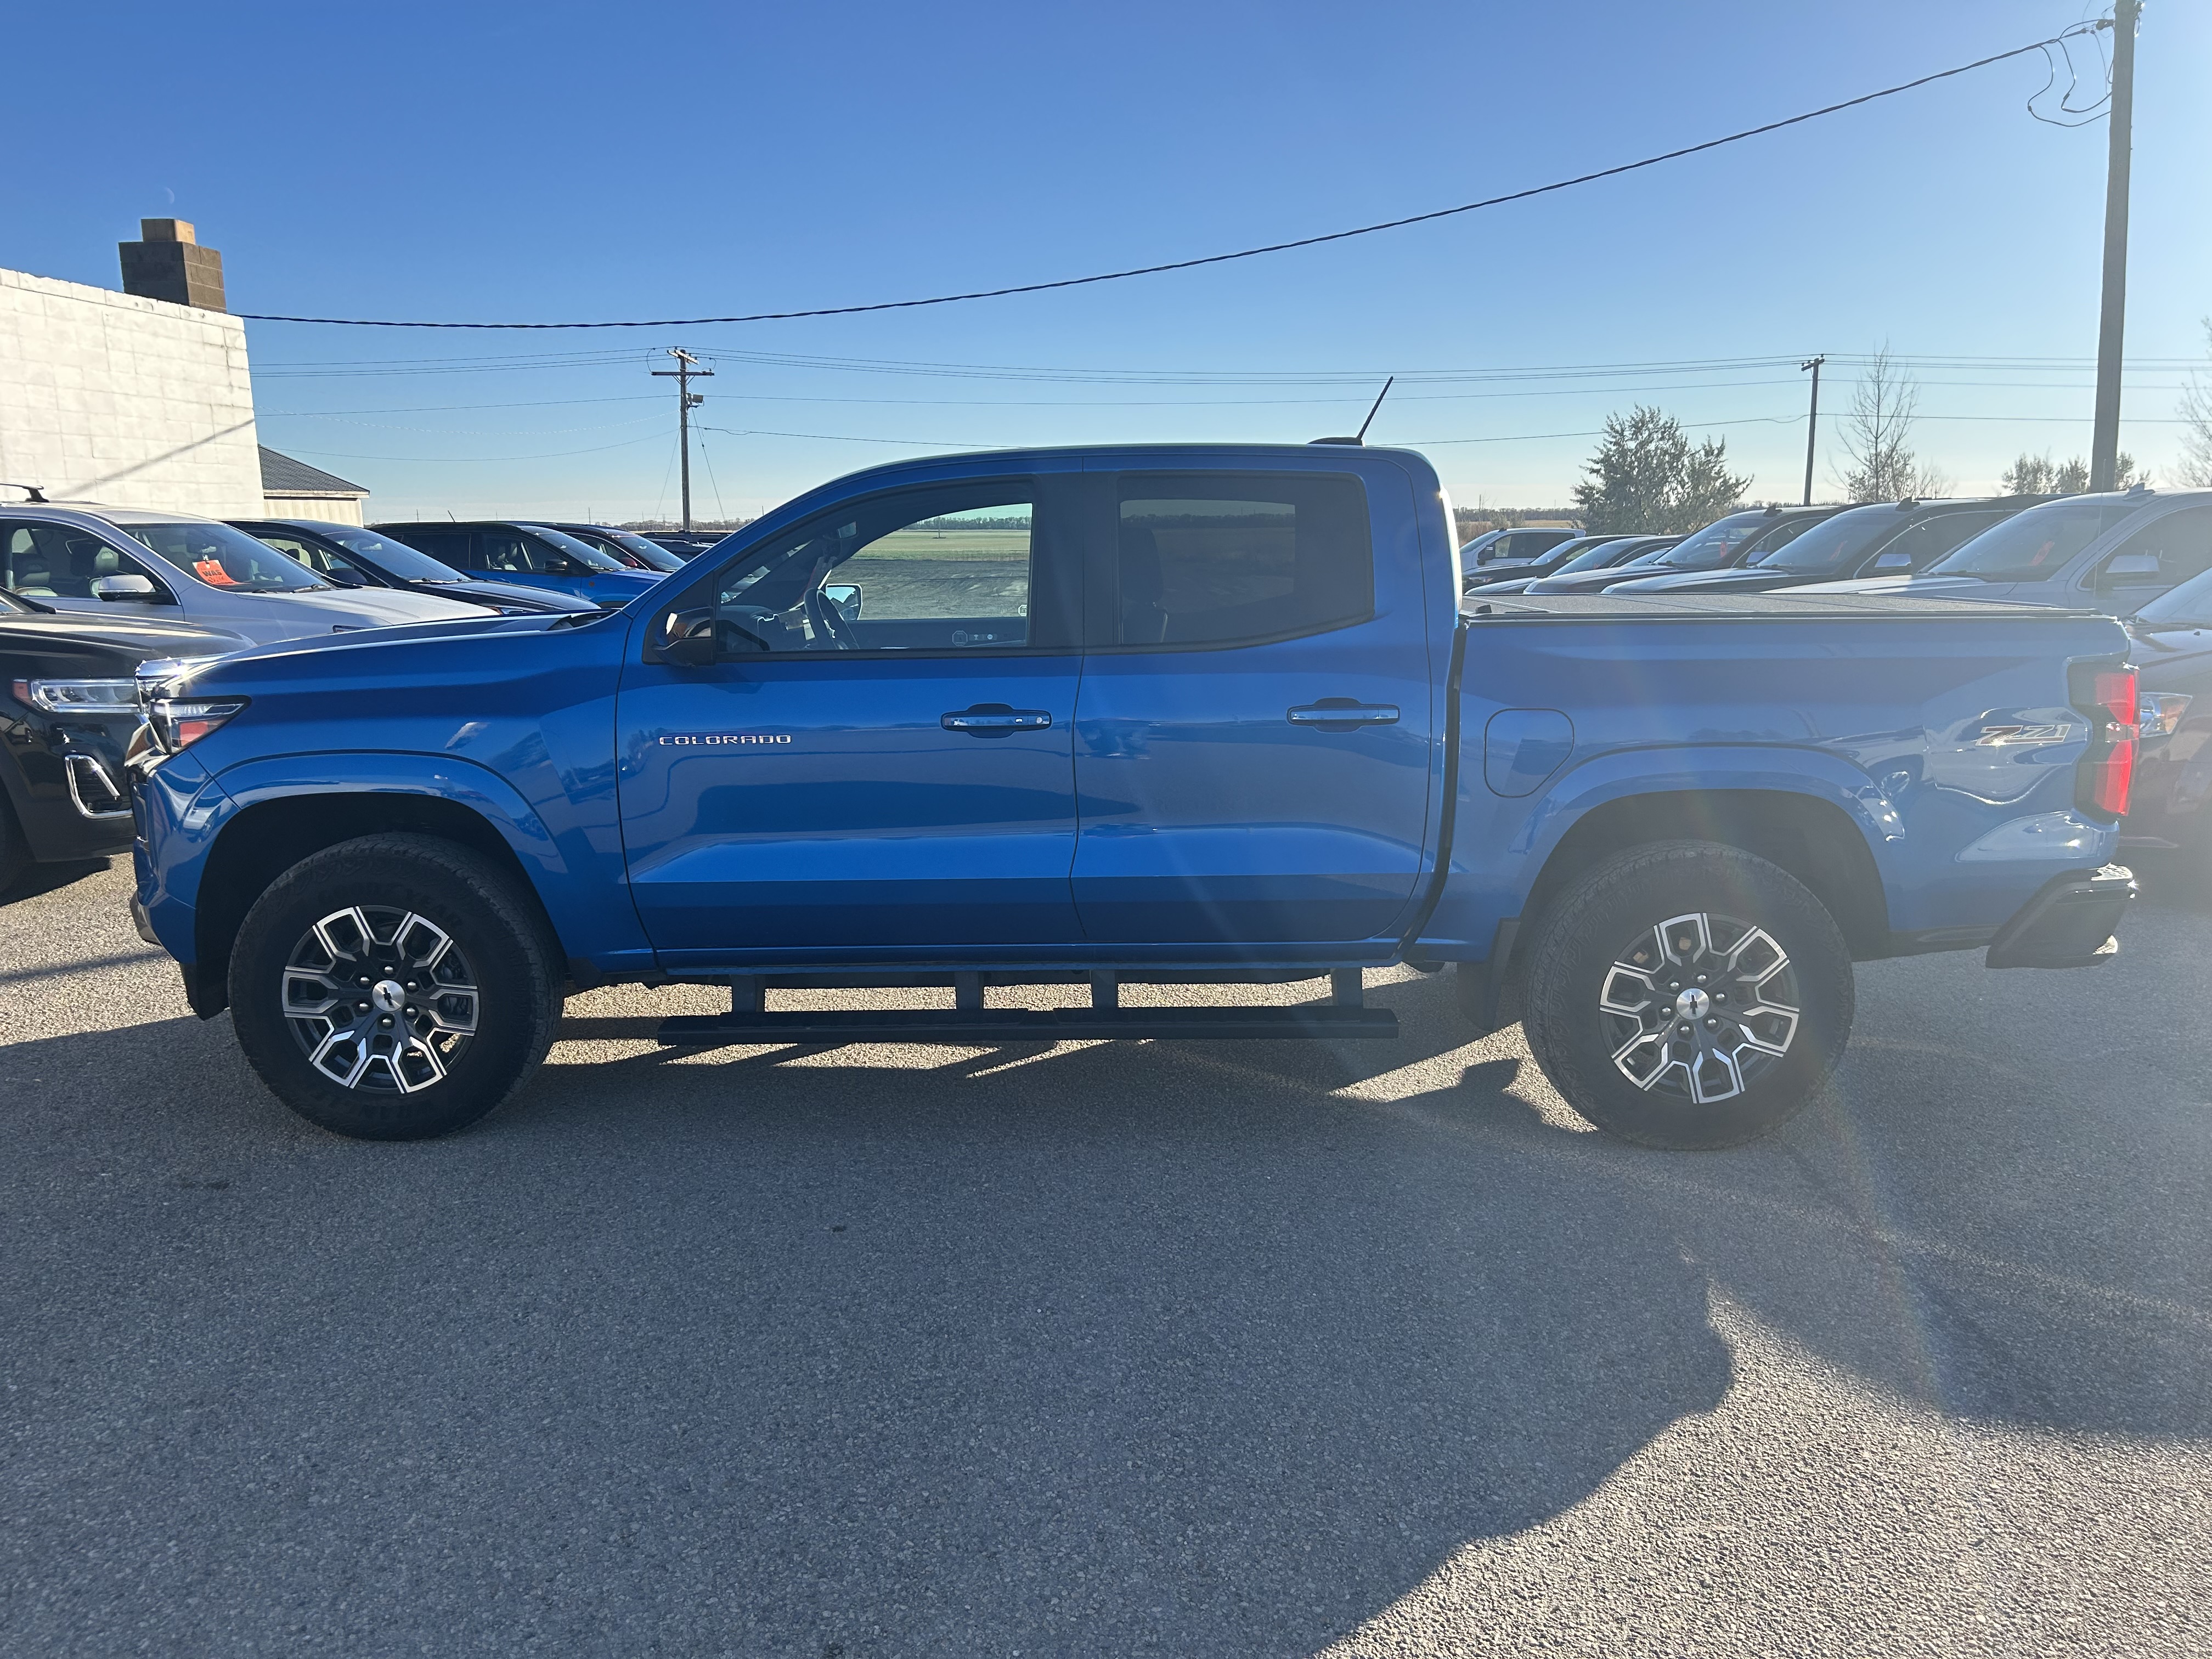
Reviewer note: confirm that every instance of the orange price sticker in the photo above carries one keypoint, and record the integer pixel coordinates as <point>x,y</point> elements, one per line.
<point>211,572</point>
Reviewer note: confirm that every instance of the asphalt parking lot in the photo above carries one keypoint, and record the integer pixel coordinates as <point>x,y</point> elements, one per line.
<point>1178,1349</point>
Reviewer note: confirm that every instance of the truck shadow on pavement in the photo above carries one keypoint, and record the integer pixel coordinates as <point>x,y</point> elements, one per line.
<point>1188,1348</point>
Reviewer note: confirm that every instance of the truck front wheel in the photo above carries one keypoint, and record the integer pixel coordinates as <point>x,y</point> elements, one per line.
<point>393,987</point>
<point>1687,995</point>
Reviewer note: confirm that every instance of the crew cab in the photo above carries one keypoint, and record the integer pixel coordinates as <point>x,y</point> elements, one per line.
<point>1085,717</point>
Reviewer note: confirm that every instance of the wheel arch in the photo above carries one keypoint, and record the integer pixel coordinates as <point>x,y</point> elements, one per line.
<point>267,838</point>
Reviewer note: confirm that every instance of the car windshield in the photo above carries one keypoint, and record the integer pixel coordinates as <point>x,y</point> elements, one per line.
<point>1592,558</point>
<point>583,552</point>
<point>1717,544</point>
<point>655,556</point>
<point>2031,545</point>
<point>395,559</point>
<point>224,557</point>
<point>1833,543</point>
<point>2189,606</point>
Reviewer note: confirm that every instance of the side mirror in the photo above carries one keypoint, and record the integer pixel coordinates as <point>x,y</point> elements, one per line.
<point>112,588</point>
<point>845,596</point>
<point>2122,566</point>
<point>1890,561</point>
<point>685,639</point>
<point>339,576</point>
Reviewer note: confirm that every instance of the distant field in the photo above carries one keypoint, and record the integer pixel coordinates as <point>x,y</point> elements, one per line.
<point>963,544</point>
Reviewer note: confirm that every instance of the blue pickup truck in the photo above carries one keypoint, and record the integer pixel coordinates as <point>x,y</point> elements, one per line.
<point>1092,717</point>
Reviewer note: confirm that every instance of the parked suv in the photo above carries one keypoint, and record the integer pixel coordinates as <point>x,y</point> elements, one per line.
<point>1496,546</point>
<point>2113,553</point>
<point>352,556</point>
<point>1615,554</point>
<point>67,709</point>
<point>1557,557</point>
<point>529,555</point>
<point>175,566</point>
<point>1899,537</point>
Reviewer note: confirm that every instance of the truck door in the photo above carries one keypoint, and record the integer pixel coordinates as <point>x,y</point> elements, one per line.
<point>879,758</point>
<point>1252,753</point>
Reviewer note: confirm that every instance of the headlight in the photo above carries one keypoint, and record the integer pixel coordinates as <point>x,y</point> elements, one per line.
<point>78,697</point>
<point>180,722</point>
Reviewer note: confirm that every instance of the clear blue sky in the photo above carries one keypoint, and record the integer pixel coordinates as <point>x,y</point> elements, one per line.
<point>554,161</point>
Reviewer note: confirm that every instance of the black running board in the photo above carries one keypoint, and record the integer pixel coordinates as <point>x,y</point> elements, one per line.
<point>994,1025</point>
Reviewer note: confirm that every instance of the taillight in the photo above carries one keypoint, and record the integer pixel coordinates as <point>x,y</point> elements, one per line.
<point>2106,692</point>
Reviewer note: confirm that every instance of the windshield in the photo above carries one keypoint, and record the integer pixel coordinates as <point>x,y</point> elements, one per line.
<point>2035,543</point>
<point>655,556</point>
<point>583,552</point>
<point>395,559</point>
<point>2189,606</point>
<point>1593,558</point>
<point>1833,543</point>
<point>1717,544</point>
<point>226,558</point>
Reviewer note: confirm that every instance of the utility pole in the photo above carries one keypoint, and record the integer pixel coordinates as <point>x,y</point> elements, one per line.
<point>1812,421</point>
<point>2104,441</point>
<point>686,370</point>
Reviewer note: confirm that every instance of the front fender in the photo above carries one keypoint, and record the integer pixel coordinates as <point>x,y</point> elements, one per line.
<point>1501,844</point>
<point>578,881</point>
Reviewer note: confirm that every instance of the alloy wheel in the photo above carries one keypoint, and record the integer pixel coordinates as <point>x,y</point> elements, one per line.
<point>1698,1005</point>
<point>379,999</point>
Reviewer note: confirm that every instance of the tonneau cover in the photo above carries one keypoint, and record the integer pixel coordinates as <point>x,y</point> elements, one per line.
<point>1782,605</point>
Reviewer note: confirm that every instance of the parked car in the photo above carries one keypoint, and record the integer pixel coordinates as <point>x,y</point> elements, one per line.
<point>67,712</point>
<point>2172,637</point>
<point>1161,711</point>
<point>626,546</point>
<point>2113,553</point>
<point>1627,552</point>
<point>1727,541</point>
<point>686,544</point>
<point>175,566</point>
<point>527,555</point>
<point>1899,536</point>
<point>353,557</point>
<point>1497,546</point>
<point>1541,564</point>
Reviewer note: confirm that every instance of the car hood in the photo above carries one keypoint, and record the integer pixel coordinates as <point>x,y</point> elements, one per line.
<point>278,616</point>
<point>142,635</point>
<point>1907,587</point>
<point>1593,582</point>
<point>533,600</point>
<point>1746,577</point>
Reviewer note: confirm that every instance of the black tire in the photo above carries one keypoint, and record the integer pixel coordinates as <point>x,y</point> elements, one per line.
<point>496,974</point>
<point>15,851</point>
<point>1637,1076</point>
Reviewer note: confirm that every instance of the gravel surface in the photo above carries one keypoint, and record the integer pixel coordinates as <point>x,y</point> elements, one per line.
<point>1182,1349</point>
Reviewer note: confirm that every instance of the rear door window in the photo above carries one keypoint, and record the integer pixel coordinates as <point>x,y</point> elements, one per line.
<point>1228,559</point>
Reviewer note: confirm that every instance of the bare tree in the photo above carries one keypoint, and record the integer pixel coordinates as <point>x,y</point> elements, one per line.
<point>1877,436</point>
<point>2197,442</point>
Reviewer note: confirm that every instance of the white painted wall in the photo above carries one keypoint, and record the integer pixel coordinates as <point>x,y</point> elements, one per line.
<point>106,397</point>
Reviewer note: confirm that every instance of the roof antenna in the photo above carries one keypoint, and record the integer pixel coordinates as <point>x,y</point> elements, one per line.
<point>1360,437</point>
<point>37,495</point>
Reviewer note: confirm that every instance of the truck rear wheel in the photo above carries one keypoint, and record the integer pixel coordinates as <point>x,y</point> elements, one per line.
<point>393,987</point>
<point>1687,995</point>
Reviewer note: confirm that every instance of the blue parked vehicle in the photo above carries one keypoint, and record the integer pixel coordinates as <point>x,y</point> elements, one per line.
<point>1158,713</point>
<point>527,555</point>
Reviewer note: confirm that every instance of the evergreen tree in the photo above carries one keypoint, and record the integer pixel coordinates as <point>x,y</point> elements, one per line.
<point>1647,477</point>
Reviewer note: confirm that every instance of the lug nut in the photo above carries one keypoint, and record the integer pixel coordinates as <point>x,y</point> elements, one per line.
<point>1701,979</point>
<point>385,1021</point>
<point>1712,1026</point>
<point>360,1007</point>
<point>410,1010</point>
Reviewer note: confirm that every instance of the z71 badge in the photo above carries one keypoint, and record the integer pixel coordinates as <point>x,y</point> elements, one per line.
<point>723,739</point>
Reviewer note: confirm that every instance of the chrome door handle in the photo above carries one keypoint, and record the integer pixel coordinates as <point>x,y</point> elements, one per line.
<point>995,720</point>
<point>1344,714</point>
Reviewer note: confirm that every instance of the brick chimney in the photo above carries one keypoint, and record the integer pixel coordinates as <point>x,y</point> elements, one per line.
<point>171,264</point>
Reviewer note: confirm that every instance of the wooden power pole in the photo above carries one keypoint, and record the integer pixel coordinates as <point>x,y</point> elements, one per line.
<point>2111,322</point>
<point>686,370</point>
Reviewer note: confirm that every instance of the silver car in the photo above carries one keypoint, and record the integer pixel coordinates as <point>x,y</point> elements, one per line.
<point>179,567</point>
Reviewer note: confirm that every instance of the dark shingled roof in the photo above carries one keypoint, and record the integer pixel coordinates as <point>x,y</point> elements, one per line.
<point>283,475</point>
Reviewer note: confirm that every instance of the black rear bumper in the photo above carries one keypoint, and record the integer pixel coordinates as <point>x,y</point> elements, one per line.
<point>2071,923</point>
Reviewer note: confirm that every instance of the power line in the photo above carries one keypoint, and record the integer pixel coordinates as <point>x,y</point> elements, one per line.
<point>1221,258</point>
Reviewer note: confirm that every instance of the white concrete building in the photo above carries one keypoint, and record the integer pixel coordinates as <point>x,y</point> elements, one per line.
<point>129,401</point>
